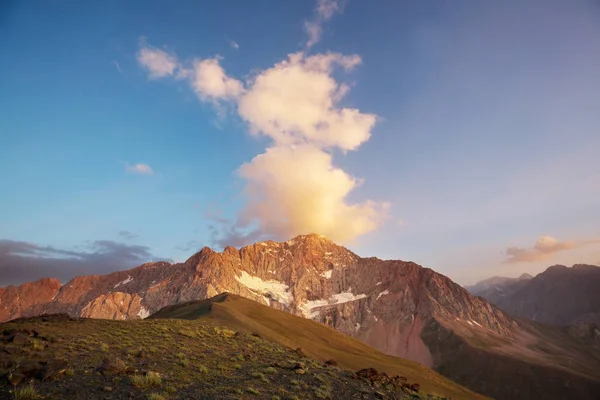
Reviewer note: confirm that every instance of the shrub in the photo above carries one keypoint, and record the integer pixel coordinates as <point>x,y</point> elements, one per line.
<point>252,390</point>
<point>150,379</point>
<point>156,396</point>
<point>25,393</point>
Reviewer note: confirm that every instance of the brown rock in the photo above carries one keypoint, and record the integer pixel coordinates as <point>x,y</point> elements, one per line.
<point>19,339</point>
<point>112,366</point>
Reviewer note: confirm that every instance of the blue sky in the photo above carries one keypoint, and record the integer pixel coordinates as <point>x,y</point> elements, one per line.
<point>473,148</point>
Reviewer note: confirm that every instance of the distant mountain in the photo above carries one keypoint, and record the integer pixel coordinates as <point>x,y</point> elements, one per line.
<point>398,307</point>
<point>495,288</point>
<point>558,296</point>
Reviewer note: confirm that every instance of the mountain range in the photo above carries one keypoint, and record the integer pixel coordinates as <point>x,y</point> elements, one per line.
<point>558,296</point>
<point>398,307</point>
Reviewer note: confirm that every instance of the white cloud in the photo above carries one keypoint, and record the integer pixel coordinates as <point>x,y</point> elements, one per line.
<point>210,82</point>
<point>117,66</point>
<point>159,63</point>
<point>143,169</point>
<point>233,44</point>
<point>324,11</point>
<point>544,248</point>
<point>295,102</point>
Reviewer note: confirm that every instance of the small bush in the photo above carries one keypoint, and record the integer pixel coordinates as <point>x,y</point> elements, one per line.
<point>184,362</point>
<point>150,379</point>
<point>25,393</point>
<point>260,376</point>
<point>252,390</point>
<point>69,372</point>
<point>156,396</point>
<point>37,345</point>
<point>271,370</point>
<point>202,369</point>
<point>104,347</point>
<point>170,389</point>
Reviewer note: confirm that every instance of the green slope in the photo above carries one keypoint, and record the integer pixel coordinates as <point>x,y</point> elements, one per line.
<point>316,340</point>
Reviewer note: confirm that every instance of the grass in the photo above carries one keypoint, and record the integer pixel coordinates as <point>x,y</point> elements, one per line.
<point>148,380</point>
<point>25,393</point>
<point>156,396</point>
<point>252,390</point>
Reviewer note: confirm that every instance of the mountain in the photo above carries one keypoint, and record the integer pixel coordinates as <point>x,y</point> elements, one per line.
<point>316,340</point>
<point>558,296</point>
<point>397,307</point>
<point>495,288</point>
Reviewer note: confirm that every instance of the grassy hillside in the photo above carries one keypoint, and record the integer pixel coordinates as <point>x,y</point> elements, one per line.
<point>316,340</point>
<point>57,357</point>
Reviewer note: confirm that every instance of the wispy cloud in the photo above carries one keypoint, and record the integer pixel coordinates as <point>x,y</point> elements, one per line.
<point>143,169</point>
<point>128,235</point>
<point>189,246</point>
<point>544,248</point>
<point>324,11</point>
<point>159,63</point>
<point>233,44</point>
<point>117,66</point>
<point>23,261</point>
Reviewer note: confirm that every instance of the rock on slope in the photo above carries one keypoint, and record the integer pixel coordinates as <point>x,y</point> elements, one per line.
<point>398,307</point>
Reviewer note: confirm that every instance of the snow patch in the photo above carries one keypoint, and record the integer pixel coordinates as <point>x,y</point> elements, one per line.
<point>470,323</point>
<point>311,308</point>
<point>262,244</point>
<point>278,291</point>
<point>357,326</point>
<point>143,313</point>
<point>476,323</point>
<point>378,283</point>
<point>327,274</point>
<point>327,253</point>
<point>382,294</point>
<point>125,282</point>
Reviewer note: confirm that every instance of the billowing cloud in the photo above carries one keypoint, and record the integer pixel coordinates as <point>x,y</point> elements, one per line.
<point>295,102</point>
<point>143,169</point>
<point>324,11</point>
<point>292,190</point>
<point>159,63</point>
<point>23,262</point>
<point>543,249</point>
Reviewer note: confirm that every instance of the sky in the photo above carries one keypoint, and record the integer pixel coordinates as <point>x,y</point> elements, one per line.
<point>461,135</point>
